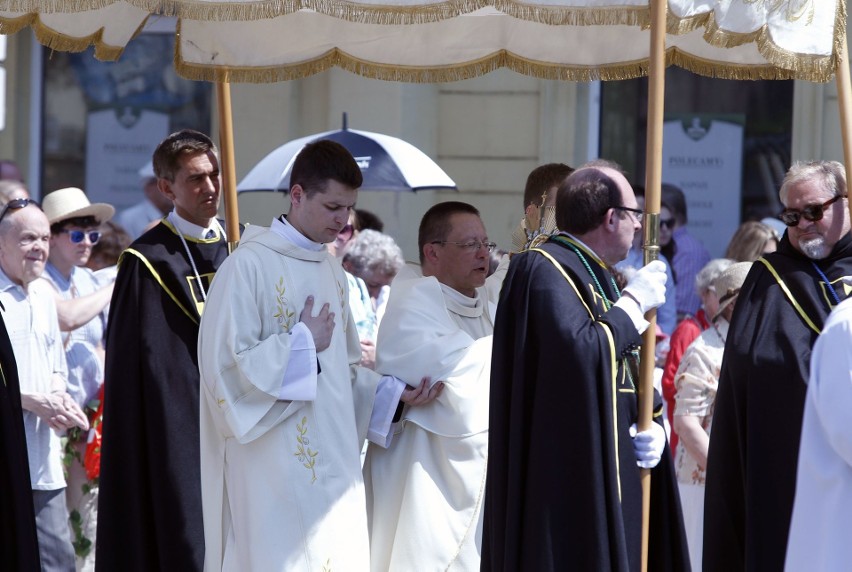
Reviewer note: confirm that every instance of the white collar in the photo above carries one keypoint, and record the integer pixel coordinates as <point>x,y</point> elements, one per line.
<point>584,245</point>
<point>287,231</point>
<point>461,304</point>
<point>190,229</point>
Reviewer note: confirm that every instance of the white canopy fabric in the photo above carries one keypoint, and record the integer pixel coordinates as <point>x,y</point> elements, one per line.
<point>422,41</point>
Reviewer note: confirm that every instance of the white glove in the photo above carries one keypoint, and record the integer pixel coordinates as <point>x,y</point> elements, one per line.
<point>648,445</point>
<point>648,286</point>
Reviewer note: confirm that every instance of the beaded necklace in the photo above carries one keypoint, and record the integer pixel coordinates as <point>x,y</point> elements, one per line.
<point>579,253</point>
<point>606,302</point>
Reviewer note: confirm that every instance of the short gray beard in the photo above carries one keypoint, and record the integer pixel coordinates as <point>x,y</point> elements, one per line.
<point>814,248</point>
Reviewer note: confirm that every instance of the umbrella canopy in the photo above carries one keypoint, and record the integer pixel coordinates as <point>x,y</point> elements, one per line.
<point>437,41</point>
<point>387,163</point>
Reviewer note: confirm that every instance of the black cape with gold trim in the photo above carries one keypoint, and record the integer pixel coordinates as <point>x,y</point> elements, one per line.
<point>563,489</point>
<point>18,541</point>
<point>754,444</point>
<point>149,510</point>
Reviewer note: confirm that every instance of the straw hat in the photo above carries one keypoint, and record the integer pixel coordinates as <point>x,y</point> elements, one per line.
<point>71,202</point>
<point>727,285</point>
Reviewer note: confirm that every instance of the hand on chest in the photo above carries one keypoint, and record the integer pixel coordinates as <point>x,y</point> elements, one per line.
<point>288,290</point>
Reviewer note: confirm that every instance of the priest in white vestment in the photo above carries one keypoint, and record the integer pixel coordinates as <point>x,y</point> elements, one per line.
<point>819,533</point>
<point>285,408</point>
<point>425,474</point>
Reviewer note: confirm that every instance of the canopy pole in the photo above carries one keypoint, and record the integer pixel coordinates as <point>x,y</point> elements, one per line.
<point>844,96</point>
<point>653,178</point>
<point>226,159</point>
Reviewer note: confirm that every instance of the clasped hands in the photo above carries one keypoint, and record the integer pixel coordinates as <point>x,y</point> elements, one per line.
<point>60,411</point>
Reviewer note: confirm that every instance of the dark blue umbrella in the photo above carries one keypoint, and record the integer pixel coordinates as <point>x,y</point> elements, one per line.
<point>387,163</point>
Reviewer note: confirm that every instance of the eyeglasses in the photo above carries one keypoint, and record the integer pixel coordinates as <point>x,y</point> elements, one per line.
<point>667,223</point>
<point>813,213</point>
<point>16,204</point>
<point>77,236</point>
<point>638,214</point>
<point>471,246</point>
<point>345,233</point>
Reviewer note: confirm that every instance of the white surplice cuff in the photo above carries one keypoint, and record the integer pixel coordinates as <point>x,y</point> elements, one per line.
<point>299,382</point>
<point>388,393</point>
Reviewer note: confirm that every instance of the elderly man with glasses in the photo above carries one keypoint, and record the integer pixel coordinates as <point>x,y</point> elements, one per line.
<point>425,466</point>
<point>29,313</point>
<point>782,307</point>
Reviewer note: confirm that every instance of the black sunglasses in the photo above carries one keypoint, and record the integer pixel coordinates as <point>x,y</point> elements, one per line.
<point>791,217</point>
<point>77,236</point>
<point>16,204</point>
<point>667,222</point>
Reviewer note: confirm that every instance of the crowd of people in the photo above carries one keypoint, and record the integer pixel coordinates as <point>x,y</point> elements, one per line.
<point>312,401</point>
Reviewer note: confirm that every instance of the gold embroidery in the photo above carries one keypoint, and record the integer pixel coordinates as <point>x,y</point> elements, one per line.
<point>284,315</point>
<point>305,454</point>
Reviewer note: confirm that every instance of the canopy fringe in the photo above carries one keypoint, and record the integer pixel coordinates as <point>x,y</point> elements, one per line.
<point>800,66</point>
<point>54,40</point>
<point>468,70</point>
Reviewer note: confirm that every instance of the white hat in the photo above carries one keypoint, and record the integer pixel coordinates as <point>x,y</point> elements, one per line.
<point>72,202</point>
<point>727,284</point>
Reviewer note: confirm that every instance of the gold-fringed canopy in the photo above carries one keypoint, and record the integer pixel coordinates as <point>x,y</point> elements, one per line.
<point>417,41</point>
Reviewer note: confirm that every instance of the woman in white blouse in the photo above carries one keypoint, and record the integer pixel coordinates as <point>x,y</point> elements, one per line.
<point>696,382</point>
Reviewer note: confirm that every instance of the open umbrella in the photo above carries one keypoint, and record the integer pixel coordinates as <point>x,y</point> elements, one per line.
<point>387,163</point>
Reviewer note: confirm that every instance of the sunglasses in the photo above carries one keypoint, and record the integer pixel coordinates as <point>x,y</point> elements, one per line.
<point>77,236</point>
<point>813,213</point>
<point>16,204</point>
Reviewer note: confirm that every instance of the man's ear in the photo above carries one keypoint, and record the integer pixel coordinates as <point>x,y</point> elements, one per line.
<point>297,193</point>
<point>430,253</point>
<point>165,187</point>
<point>610,220</point>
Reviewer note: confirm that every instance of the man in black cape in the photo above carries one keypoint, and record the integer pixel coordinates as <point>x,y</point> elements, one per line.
<point>18,541</point>
<point>149,510</point>
<point>754,444</point>
<point>563,488</point>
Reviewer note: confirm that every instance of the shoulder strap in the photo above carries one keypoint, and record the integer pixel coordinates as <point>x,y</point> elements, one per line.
<point>786,290</point>
<point>565,275</point>
<point>159,280</point>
